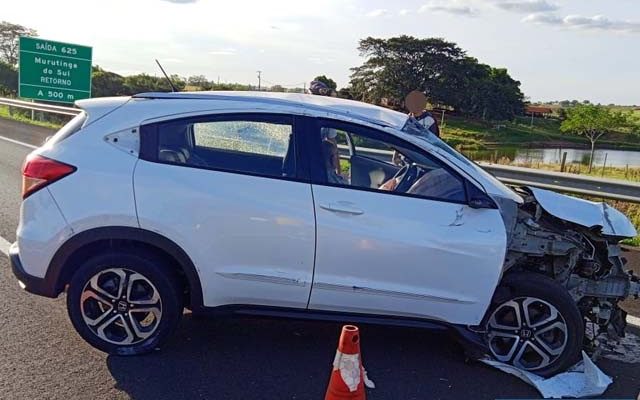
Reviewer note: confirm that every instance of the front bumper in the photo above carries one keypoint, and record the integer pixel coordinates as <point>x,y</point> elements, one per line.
<point>30,283</point>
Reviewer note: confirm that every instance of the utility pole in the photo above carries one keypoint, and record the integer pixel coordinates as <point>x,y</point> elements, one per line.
<point>259,79</point>
<point>305,87</point>
<point>531,125</point>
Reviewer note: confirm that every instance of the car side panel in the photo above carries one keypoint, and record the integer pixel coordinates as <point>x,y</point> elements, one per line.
<point>100,192</point>
<point>251,238</point>
<point>405,256</point>
<point>42,230</point>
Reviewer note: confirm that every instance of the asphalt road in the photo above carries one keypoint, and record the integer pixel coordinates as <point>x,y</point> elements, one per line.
<point>41,356</point>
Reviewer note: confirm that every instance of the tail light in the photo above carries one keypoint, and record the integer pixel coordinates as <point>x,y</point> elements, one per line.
<point>39,171</point>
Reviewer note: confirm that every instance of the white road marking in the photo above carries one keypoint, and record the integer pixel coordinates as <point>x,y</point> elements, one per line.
<point>4,246</point>
<point>19,142</point>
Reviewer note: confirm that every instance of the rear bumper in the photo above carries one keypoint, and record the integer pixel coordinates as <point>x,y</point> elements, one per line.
<point>30,283</point>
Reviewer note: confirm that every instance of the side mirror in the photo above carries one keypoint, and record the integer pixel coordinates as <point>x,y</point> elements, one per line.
<point>481,202</point>
<point>478,198</point>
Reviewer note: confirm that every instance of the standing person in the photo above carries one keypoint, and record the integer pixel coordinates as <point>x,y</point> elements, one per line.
<point>429,121</point>
<point>415,102</point>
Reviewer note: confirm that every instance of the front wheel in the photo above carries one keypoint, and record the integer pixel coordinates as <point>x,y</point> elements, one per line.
<point>535,326</point>
<point>124,303</point>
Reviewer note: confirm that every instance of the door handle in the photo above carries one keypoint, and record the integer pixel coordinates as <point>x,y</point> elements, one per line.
<point>343,207</point>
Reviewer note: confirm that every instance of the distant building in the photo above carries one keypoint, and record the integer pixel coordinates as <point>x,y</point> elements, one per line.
<point>538,111</point>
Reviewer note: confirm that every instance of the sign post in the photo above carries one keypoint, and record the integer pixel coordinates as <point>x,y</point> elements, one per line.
<point>54,71</point>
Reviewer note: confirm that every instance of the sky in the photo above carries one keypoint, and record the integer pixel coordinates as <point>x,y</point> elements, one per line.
<point>557,49</point>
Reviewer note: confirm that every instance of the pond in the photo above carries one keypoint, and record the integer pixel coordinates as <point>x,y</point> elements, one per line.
<point>615,158</point>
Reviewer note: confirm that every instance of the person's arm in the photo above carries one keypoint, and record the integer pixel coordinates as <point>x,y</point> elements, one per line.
<point>390,185</point>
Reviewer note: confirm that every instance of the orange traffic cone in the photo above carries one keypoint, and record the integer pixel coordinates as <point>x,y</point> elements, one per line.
<point>348,377</point>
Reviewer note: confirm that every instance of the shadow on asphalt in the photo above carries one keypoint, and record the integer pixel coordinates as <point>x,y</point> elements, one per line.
<point>244,358</point>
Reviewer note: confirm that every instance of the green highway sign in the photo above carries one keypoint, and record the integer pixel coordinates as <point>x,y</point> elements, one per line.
<point>54,71</point>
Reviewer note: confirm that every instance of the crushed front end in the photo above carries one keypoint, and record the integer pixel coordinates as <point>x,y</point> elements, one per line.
<point>576,242</point>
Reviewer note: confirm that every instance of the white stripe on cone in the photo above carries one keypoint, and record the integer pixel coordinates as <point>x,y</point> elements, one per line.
<point>349,367</point>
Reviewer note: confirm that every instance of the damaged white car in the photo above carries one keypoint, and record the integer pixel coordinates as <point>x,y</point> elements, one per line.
<point>310,207</point>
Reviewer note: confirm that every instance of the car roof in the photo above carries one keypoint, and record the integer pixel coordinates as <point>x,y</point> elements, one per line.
<point>348,108</point>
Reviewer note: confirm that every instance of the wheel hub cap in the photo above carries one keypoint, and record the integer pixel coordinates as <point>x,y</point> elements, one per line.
<point>527,332</point>
<point>121,306</point>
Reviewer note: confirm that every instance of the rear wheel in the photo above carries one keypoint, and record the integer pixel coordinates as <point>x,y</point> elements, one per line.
<point>535,325</point>
<point>124,302</point>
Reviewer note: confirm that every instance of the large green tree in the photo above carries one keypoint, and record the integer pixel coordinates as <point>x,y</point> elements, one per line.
<point>9,38</point>
<point>593,122</point>
<point>442,70</point>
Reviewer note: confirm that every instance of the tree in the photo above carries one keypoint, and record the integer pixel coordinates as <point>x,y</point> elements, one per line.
<point>141,83</point>
<point>345,93</point>
<point>277,88</point>
<point>592,122</point>
<point>327,81</point>
<point>440,69</point>
<point>562,113</point>
<point>200,81</point>
<point>396,66</point>
<point>486,92</point>
<point>9,40</point>
<point>8,79</point>
<point>106,83</point>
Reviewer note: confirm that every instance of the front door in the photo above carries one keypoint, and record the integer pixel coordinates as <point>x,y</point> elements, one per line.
<point>419,252</point>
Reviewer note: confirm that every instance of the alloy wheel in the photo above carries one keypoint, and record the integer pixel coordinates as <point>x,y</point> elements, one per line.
<point>121,306</point>
<point>527,332</point>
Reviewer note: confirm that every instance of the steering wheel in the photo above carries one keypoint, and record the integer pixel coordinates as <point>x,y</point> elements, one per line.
<point>407,175</point>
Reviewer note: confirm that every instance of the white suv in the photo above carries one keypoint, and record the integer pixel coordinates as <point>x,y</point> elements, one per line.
<point>305,206</point>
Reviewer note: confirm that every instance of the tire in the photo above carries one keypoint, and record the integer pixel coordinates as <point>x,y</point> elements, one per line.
<point>550,325</point>
<point>124,322</point>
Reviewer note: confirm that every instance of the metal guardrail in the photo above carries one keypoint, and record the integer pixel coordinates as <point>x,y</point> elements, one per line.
<point>613,189</point>
<point>40,107</point>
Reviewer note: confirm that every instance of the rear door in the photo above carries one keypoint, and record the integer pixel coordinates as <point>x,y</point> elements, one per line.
<point>228,190</point>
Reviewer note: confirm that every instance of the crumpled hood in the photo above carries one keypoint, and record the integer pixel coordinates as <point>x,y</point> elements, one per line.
<point>584,212</point>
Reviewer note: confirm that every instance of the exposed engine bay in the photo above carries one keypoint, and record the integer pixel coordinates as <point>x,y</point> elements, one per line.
<point>584,259</point>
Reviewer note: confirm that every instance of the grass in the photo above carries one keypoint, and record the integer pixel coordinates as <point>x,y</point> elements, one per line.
<point>467,134</point>
<point>632,211</point>
<point>25,117</point>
